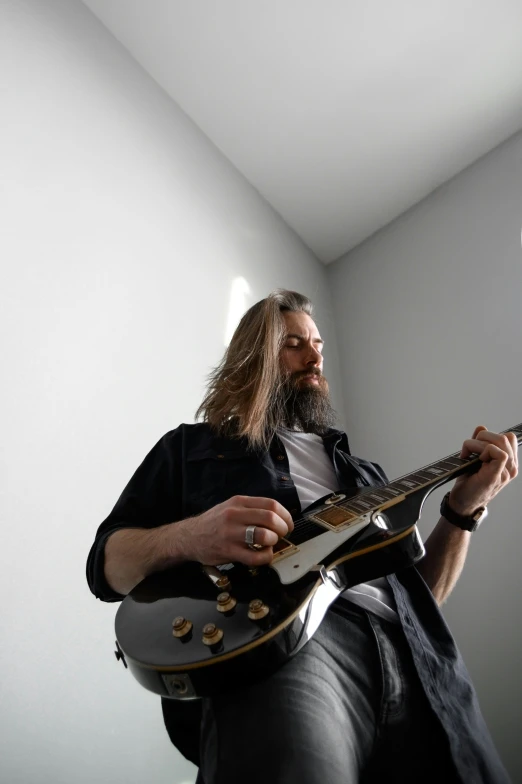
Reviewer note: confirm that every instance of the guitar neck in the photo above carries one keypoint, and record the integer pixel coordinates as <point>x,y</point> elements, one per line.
<point>372,499</point>
<point>441,471</point>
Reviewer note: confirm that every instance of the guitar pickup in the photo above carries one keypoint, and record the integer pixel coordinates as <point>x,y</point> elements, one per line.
<point>335,518</point>
<point>283,549</point>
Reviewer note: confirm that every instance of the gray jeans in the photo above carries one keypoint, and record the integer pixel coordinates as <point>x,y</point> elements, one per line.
<point>348,708</point>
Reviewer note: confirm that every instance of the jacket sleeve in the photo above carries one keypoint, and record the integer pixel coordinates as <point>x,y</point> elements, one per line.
<point>153,497</point>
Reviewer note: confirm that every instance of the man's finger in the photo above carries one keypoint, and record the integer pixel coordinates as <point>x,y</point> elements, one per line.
<point>477,445</point>
<point>478,430</point>
<point>263,518</point>
<point>503,441</point>
<point>254,557</point>
<point>259,502</point>
<point>472,446</point>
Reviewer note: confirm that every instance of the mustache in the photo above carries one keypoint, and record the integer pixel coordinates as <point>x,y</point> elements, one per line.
<point>303,373</point>
<point>291,383</point>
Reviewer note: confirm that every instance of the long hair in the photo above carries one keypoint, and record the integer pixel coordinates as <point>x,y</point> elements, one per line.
<point>243,394</point>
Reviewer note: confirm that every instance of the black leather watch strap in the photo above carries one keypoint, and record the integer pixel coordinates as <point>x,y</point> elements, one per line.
<point>465,523</point>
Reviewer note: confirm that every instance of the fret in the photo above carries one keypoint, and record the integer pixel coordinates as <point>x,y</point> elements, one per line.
<point>346,505</point>
<point>417,477</point>
<point>365,503</point>
<point>447,465</point>
<point>403,485</point>
<point>425,475</point>
<point>392,491</point>
<point>410,482</point>
<point>356,506</point>
<point>457,462</point>
<point>383,495</point>
<point>379,499</point>
<point>435,471</point>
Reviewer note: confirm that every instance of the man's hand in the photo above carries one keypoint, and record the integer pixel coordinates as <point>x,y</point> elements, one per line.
<point>218,535</point>
<point>499,456</point>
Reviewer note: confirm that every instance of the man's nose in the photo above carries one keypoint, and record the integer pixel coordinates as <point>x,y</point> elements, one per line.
<point>314,357</point>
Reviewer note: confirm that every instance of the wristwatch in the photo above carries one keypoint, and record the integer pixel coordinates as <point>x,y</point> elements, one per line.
<point>466,523</point>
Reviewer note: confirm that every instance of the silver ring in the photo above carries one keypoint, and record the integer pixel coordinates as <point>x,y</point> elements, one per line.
<point>249,538</point>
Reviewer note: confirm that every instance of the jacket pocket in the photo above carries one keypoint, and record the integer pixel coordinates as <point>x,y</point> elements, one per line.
<point>213,476</point>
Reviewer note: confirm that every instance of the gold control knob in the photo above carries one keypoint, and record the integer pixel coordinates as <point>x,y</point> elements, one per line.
<point>211,634</point>
<point>223,583</point>
<point>225,602</point>
<point>257,610</point>
<point>180,626</point>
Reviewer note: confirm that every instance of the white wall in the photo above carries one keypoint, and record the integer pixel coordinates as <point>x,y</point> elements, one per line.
<point>122,233</point>
<point>429,323</point>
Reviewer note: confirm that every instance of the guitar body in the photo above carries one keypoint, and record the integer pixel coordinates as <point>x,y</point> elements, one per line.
<point>254,643</point>
<point>195,631</point>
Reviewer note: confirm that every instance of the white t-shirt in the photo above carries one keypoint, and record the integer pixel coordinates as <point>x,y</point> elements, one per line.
<point>314,476</point>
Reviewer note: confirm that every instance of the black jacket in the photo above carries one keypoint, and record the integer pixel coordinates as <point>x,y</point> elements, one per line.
<point>191,469</point>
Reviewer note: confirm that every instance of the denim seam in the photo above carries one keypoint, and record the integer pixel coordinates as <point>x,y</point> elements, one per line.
<point>382,708</point>
<point>402,681</point>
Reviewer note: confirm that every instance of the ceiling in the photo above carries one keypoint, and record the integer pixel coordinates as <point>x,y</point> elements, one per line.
<point>342,114</point>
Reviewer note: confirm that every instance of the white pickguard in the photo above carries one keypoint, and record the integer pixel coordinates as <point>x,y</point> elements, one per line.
<point>312,552</point>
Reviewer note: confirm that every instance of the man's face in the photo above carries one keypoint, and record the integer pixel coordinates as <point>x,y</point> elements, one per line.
<point>301,354</point>
<point>304,398</point>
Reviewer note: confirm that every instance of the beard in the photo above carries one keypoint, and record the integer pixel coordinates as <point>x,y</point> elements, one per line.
<point>303,405</point>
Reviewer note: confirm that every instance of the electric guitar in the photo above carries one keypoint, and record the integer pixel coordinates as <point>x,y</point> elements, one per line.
<point>194,631</point>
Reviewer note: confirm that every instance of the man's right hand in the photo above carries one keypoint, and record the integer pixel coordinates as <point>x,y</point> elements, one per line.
<point>218,535</point>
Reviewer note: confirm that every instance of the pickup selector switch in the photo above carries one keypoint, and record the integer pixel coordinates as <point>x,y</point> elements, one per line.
<point>223,583</point>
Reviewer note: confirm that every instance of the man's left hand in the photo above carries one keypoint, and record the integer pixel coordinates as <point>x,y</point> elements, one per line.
<point>499,455</point>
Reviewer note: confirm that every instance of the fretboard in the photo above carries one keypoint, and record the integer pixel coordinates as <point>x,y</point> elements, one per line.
<point>371,499</point>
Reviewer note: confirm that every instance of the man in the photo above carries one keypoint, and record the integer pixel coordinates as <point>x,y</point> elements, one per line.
<point>380,692</point>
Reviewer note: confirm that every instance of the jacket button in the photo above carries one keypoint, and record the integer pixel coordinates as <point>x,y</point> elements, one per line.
<point>284,478</point>
<point>220,456</point>
<point>280,457</point>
